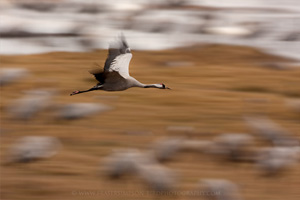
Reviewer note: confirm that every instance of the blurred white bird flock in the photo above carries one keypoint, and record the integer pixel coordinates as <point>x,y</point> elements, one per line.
<point>231,147</point>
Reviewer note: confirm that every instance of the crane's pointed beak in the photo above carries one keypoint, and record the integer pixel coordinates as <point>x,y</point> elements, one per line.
<point>165,87</point>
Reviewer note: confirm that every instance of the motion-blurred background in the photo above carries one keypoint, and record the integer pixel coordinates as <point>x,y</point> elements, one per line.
<point>229,129</point>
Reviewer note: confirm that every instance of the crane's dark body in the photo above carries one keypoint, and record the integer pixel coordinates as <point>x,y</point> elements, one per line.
<point>111,81</point>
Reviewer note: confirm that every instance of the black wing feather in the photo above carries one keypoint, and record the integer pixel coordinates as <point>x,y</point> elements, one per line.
<point>99,75</point>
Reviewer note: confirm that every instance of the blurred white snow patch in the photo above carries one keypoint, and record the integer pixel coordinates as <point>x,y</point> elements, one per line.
<point>9,75</point>
<point>5,4</point>
<point>279,4</point>
<point>36,24</point>
<point>117,5</point>
<point>41,45</point>
<point>229,30</point>
<point>32,148</point>
<point>126,7</point>
<point>80,110</point>
<point>154,41</point>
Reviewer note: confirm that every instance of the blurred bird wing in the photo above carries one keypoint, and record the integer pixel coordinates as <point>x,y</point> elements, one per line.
<point>119,57</point>
<point>98,72</point>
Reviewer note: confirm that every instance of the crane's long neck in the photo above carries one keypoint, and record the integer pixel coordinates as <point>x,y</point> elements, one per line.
<point>152,86</point>
<point>136,83</point>
<point>141,85</point>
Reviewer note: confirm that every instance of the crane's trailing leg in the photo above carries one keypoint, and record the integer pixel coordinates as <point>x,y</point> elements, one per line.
<point>97,87</point>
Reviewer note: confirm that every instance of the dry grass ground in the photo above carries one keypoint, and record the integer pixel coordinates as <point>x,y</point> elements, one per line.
<point>213,87</point>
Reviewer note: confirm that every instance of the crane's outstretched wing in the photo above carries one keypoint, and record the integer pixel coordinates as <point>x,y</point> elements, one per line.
<point>119,57</point>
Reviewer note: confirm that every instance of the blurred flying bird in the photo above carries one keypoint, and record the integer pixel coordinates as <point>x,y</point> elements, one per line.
<point>232,146</point>
<point>142,164</point>
<point>115,75</point>
<point>220,189</point>
<point>271,131</point>
<point>272,160</point>
<point>32,148</point>
<point>121,162</point>
<point>34,102</point>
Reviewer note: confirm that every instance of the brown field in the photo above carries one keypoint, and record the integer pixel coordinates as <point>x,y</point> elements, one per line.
<point>213,87</point>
